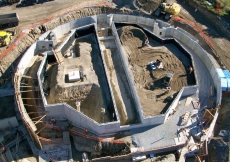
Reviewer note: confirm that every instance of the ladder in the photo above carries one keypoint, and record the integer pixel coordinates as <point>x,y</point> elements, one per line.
<point>58,56</point>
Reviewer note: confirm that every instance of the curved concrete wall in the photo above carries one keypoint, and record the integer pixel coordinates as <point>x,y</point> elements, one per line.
<point>79,119</point>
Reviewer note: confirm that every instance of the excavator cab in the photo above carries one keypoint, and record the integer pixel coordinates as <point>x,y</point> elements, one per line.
<point>5,38</point>
<point>168,79</point>
<point>168,10</point>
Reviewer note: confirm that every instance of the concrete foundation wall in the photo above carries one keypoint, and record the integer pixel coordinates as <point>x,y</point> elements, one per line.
<point>44,36</point>
<point>190,90</point>
<point>40,75</point>
<point>102,18</point>
<point>65,28</point>
<point>107,74</point>
<point>44,45</point>
<point>188,34</point>
<point>26,58</point>
<point>127,72</point>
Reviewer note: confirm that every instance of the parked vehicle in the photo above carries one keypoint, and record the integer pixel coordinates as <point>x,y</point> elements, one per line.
<point>10,20</point>
<point>28,2</point>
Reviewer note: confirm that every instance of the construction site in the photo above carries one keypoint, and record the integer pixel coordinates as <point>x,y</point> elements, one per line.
<point>101,81</point>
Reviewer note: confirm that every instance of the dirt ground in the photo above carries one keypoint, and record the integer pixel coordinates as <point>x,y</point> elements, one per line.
<point>149,82</point>
<point>88,91</point>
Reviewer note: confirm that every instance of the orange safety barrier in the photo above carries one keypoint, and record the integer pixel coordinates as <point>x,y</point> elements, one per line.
<point>95,138</point>
<point>25,32</point>
<point>197,28</point>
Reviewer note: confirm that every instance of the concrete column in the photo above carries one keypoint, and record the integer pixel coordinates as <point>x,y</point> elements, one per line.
<point>110,19</point>
<point>156,28</point>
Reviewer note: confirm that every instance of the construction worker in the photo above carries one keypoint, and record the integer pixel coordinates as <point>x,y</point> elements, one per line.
<point>168,89</point>
<point>52,121</point>
<point>76,35</point>
<point>190,69</point>
<point>146,41</point>
<point>3,149</point>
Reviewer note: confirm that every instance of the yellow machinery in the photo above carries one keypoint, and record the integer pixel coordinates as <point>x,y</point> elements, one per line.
<point>5,38</point>
<point>168,9</point>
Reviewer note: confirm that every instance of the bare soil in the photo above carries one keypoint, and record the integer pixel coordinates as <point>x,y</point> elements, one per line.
<point>148,5</point>
<point>149,82</point>
<point>88,91</point>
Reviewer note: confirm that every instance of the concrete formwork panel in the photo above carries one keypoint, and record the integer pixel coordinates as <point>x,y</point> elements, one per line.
<point>154,120</point>
<point>29,54</point>
<point>131,84</point>
<point>45,45</point>
<point>169,32</point>
<point>102,18</point>
<point>185,39</point>
<point>190,90</point>
<point>84,21</point>
<point>65,28</point>
<point>132,19</point>
<point>141,20</point>
<point>177,34</point>
<point>162,23</point>
<point>40,77</point>
<point>188,34</point>
<point>106,72</point>
<point>93,19</point>
<point>192,44</point>
<point>66,44</point>
<point>57,32</point>
<point>56,110</point>
<point>151,22</point>
<point>80,120</point>
<point>174,104</point>
<point>44,36</point>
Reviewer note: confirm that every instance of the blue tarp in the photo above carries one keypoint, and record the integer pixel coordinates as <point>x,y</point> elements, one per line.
<point>220,73</point>
<point>226,73</point>
<point>224,84</point>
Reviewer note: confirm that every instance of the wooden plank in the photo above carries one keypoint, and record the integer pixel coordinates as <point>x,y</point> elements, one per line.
<point>188,101</point>
<point>58,56</point>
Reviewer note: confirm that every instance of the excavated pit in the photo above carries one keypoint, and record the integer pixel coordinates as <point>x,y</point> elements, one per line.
<point>154,97</point>
<point>92,90</point>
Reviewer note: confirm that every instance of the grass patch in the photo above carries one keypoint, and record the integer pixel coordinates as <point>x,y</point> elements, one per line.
<point>220,7</point>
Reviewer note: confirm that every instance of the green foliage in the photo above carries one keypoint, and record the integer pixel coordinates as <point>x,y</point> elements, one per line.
<point>220,7</point>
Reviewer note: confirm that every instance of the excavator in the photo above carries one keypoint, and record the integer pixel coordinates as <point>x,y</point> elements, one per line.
<point>168,10</point>
<point>5,38</point>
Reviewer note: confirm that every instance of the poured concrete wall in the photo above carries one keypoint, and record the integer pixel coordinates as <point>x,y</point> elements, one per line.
<point>107,74</point>
<point>65,28</point>
<point>44,45</point>
<point>127,73</point>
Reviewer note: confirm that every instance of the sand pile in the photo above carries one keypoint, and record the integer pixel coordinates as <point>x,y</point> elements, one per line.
<point>148,83</point>
<point>148,5</point>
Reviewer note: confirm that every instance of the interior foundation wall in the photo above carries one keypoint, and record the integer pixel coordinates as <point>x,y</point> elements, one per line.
<point>203,56</point>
